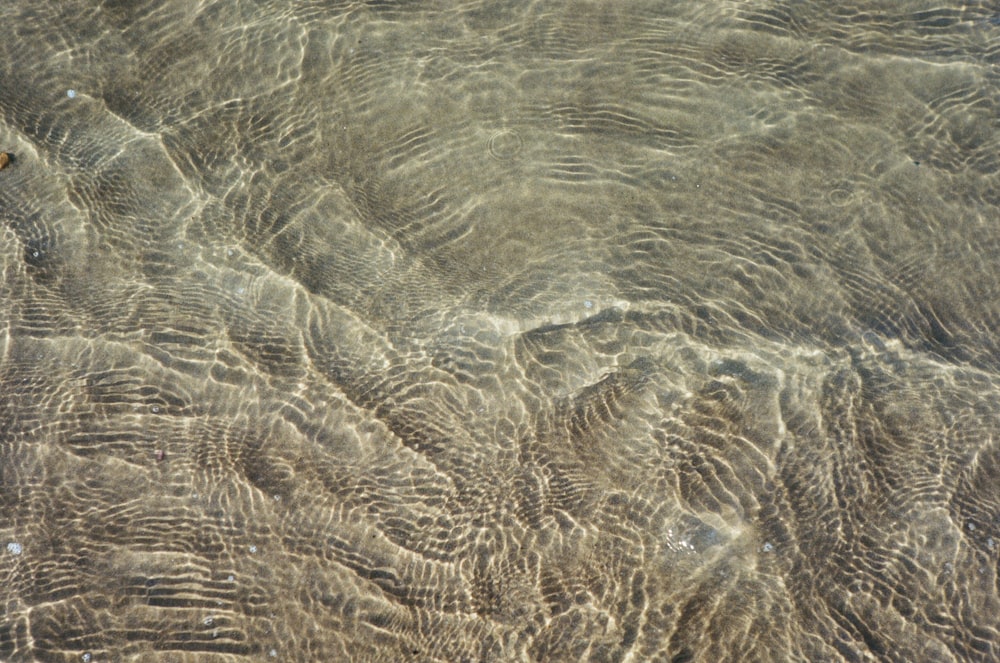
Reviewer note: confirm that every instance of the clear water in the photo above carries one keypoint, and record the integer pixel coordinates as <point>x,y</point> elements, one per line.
<point>499,331</point>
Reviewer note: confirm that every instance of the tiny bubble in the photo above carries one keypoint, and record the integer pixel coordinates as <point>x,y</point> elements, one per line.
<point>588,304</point>
<point>231,578</point>
<point>86,657</point>
<point>14,548</point>
<point>253,549</point>
<point>155,408</point>
<point>209,621</point>
<point>71,93</point>
<point>990,543</point>
<point>768,547</point>
<point>273,653</point>
<point>971,526</point>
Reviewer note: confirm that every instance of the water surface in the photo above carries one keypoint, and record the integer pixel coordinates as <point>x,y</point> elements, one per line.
<point>499,331</point>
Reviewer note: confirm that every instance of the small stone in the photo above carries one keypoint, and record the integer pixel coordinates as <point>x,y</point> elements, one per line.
<point>4,160</point>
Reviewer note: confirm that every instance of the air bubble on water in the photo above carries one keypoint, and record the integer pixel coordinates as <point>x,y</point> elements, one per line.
<point>990,543</point>
<point>86,657</point>
<point>768,546</point>
<point>588,304</point>
<point>71,93</point>
<point>209,621</point>
<point>253,549</point>
<point>14,548</point>
<point>231,578</point>
<point>273,653</point>
<point>972,526</point>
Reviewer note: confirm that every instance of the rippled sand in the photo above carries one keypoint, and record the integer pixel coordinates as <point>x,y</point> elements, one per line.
<point>499,331</point>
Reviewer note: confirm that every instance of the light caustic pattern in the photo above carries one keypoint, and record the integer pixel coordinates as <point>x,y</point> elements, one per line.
<point>482,331</point>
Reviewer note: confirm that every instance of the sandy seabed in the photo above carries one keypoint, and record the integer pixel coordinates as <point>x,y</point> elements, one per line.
<point>499,331</point>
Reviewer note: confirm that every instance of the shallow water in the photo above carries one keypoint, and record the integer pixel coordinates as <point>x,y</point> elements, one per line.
<point>499,331</point>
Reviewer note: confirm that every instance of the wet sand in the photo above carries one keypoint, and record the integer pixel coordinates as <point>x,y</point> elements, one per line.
<point>507,331</point>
